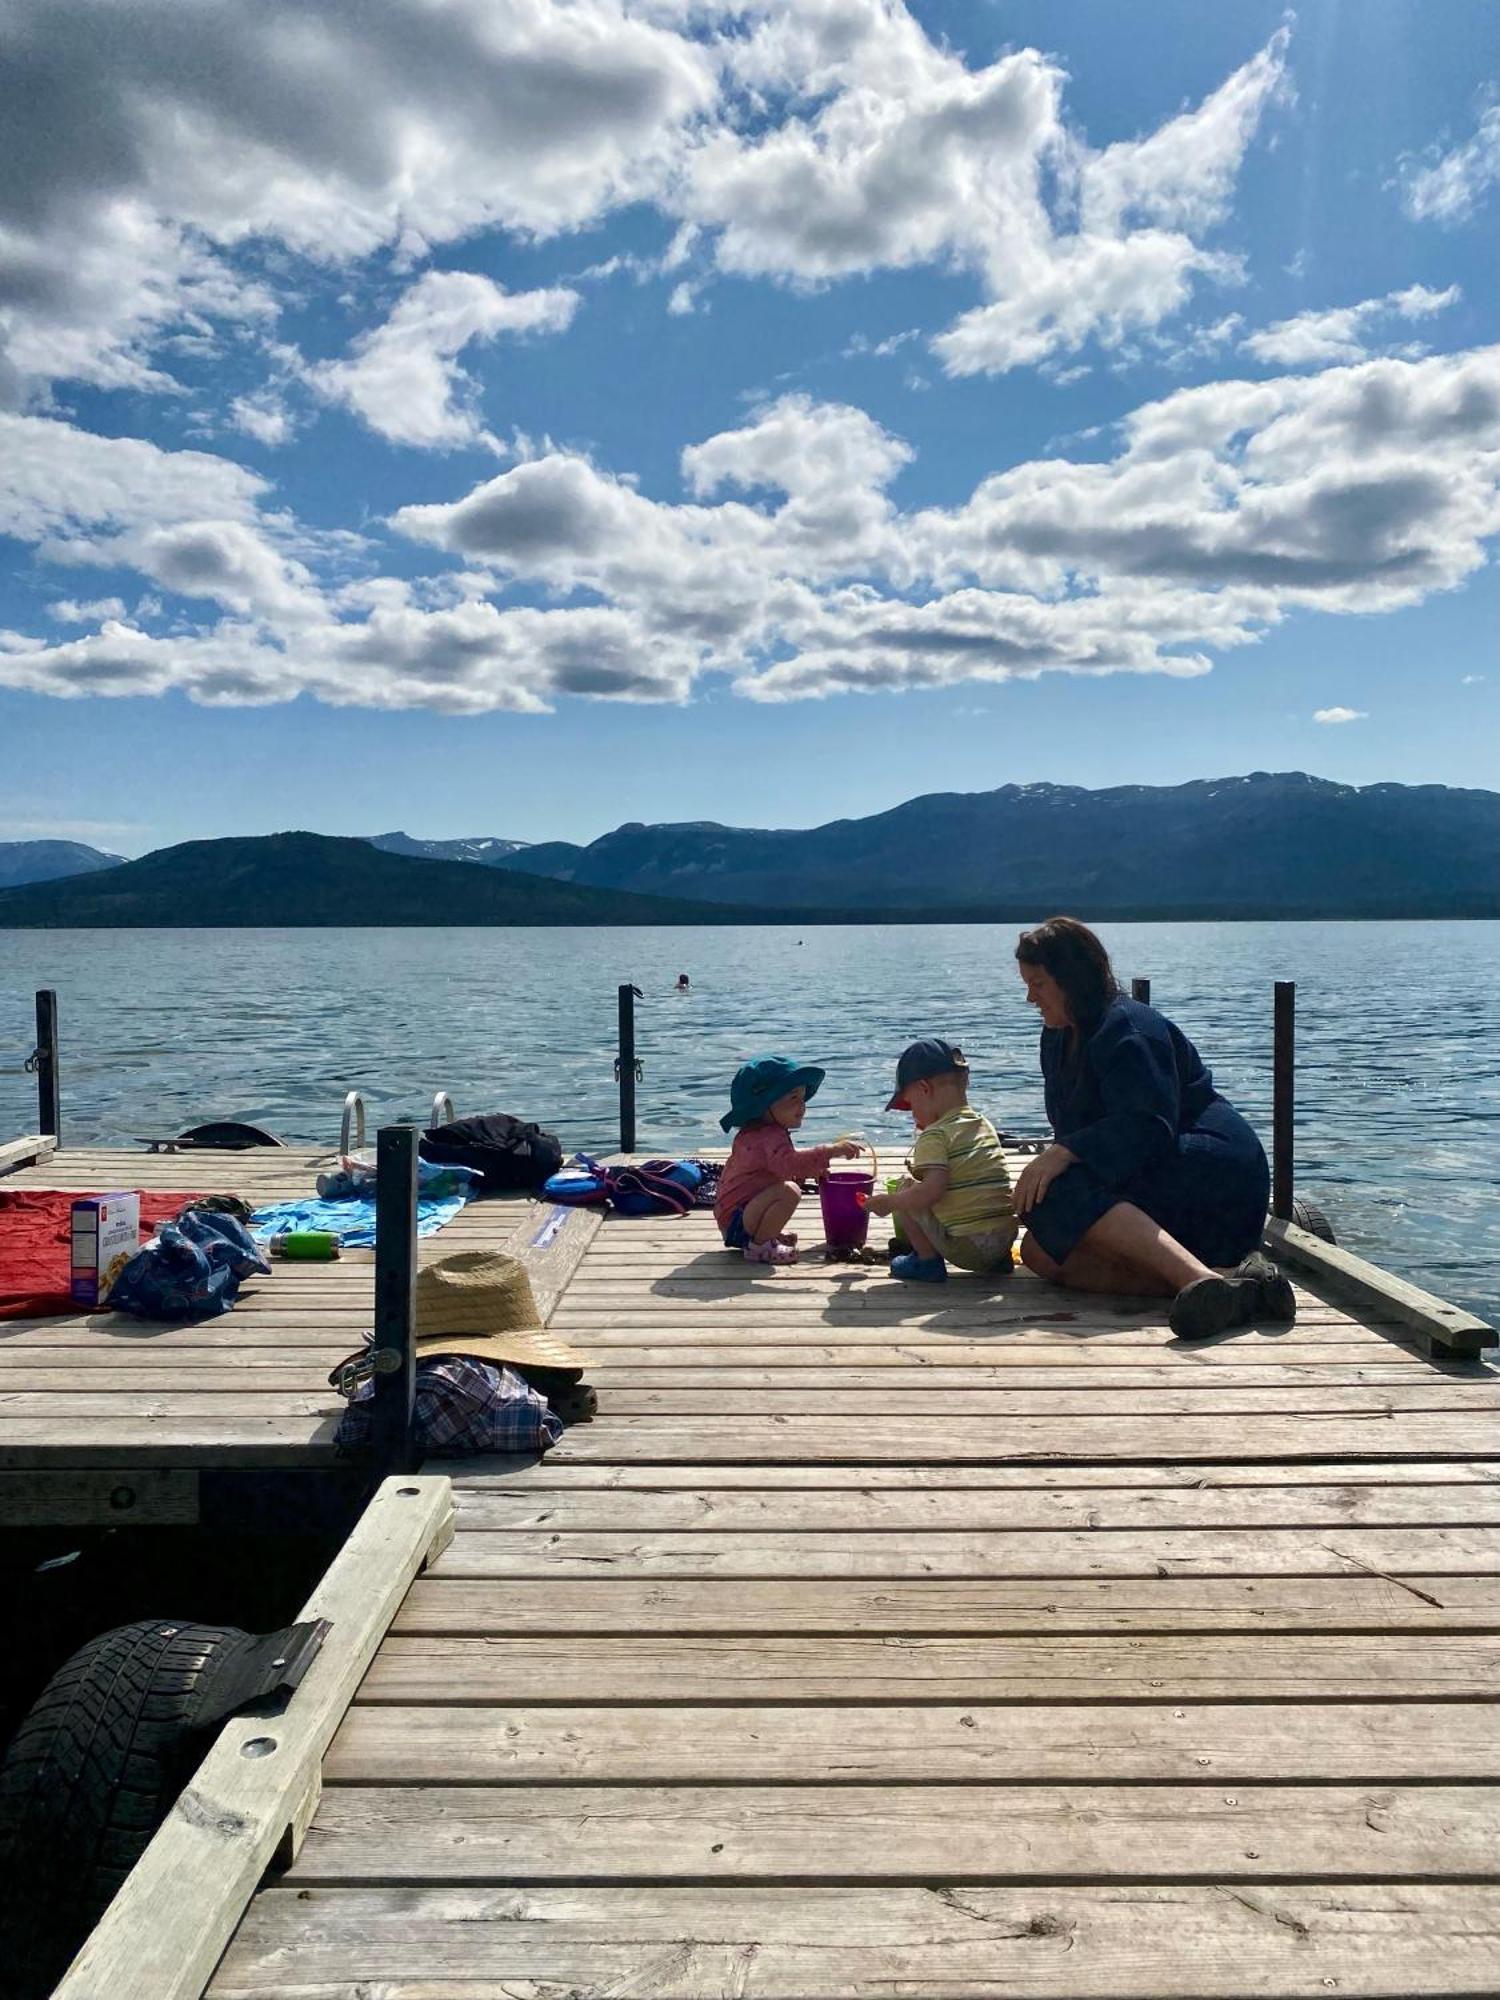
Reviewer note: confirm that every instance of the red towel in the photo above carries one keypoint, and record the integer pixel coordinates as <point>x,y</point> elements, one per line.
<point>36,1255</point>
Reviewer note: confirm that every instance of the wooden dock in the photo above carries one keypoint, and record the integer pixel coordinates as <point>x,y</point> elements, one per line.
<point>96,1407</point>
<point>873,1640</point>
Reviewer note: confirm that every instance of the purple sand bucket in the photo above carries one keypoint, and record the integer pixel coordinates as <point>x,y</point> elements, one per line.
<point>846,1219</point>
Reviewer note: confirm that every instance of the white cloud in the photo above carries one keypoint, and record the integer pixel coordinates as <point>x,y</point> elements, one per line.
<point>60,480</point>
<point>188,520</point>
<point>1340,333</point>
<point>144,142</point>
<point>886,151</point>
<point>68,829</point>
<point>799,447</point>
<point>1341,715</point>
<point>92,611</point>
<point>788,569</point>
<point>404,378</point>
<point>1472,680</point>
<point>86,298</point>
<point>1359,490</point>
<point>264,416</point>
<point>1102,286</point>
<point>159,158</point>
<point>1448,187</point>
<point>1183,174</point>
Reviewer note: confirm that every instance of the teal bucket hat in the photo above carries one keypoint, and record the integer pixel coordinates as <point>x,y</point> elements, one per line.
<point>758,1084</point>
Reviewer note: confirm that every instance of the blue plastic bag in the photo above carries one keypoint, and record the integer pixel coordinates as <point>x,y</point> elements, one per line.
<point>226,1239</point>
<point>191,1268</point>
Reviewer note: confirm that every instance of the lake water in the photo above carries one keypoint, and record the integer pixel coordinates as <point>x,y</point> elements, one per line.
<point>1398,1057</point>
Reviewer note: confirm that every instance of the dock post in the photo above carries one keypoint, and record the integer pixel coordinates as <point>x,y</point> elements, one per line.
<point>44,1062</point>
<point>395,1294</point>
<point>627,1068</point>
<point>1283,1097</point>
<point>1140,989</point>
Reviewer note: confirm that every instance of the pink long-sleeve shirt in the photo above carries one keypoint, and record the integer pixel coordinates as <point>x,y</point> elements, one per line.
<point>762,1156</point>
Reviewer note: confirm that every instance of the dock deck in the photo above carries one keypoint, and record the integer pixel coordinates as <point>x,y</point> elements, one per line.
<point>877,1640</point>
<point>90,1395</point>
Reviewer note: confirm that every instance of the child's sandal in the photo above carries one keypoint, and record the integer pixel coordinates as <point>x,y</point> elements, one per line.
<point>775,1252</point>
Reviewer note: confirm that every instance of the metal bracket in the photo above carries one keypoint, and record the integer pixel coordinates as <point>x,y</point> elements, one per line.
<point>347,1377</point>
<point>640,1070</point>
<point>35,1062</point>
<point>253,1669</point>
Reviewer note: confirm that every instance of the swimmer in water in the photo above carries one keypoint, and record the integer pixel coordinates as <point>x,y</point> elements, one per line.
<point>684,984</point>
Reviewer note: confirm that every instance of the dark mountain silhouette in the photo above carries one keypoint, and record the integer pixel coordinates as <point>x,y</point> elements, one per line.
<point>1259,846</point>
<point>1267,844</point>
<point>49,860</point>
<point>283,879</point>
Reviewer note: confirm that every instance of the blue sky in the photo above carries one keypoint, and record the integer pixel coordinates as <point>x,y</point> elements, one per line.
<point>520,419</point>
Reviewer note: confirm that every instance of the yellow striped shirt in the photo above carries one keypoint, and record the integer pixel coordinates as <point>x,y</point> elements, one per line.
<point>967,1144</point>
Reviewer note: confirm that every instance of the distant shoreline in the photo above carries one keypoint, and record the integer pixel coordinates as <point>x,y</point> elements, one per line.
<point>715,917</point>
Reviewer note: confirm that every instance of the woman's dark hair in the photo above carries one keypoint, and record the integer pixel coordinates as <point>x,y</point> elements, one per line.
<point>1076,959</point>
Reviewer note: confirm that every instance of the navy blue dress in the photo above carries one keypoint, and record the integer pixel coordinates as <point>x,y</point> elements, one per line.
<point>1140,1111</point>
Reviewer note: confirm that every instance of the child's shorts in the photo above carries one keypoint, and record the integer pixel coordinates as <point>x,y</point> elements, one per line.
<point>736,1236</point>
<point>984,1251</point>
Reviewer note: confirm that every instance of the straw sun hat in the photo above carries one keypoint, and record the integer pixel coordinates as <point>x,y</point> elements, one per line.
<point>480,1302</point>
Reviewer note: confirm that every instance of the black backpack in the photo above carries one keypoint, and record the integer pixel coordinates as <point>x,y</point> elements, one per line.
<point>512,1155</point>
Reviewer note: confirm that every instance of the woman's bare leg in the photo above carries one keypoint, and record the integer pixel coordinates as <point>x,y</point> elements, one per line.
<point>1091,1271</point>
<point>1124,1251</point>
<point>768,1213</point>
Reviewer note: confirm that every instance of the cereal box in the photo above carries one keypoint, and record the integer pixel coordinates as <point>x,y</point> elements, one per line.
<point>106,1235</point>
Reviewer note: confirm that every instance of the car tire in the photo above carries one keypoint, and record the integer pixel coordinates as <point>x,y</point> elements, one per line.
<point>91,1773</point>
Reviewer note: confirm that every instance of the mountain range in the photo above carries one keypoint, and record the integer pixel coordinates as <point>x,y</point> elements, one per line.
<point>49,860</point>
<point>1271,844</point>
<point>279,880</point>
<point>484,849</point>
<point>1263,845</point>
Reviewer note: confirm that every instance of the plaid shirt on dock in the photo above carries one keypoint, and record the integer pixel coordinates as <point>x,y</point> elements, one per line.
<point>460,1407</point>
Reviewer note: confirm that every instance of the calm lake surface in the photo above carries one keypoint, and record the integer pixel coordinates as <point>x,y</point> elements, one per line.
<point>1398,1058</point>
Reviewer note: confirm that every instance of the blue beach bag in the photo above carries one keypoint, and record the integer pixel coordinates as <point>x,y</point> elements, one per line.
<point>656,1187</point>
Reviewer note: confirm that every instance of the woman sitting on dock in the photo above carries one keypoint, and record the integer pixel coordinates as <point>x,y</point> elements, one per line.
<point>1153,1183</point>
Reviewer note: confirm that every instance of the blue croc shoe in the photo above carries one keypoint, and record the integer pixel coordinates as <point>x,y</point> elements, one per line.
<point>919,1270</point>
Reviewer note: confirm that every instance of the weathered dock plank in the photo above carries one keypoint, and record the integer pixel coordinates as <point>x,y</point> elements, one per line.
<point>454,1675</point>
<point>793,1512</point>
<point>838,1605</point>
<point>776,1833</point>
<point>921,1741</point>
<point>959,1941</point>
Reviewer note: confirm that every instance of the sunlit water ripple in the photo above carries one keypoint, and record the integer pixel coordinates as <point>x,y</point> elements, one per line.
<point>1398,1032</point>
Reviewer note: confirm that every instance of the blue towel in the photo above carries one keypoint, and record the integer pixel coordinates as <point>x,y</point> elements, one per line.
<point>352,1220</point>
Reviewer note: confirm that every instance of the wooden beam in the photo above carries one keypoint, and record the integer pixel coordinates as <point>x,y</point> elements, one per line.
<point>1365,1284</point>
<point>23,1152</point>
<point>163,1934</point>
<point>118,1497</point>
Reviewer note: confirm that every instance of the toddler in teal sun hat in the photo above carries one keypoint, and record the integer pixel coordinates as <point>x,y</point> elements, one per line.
<point>759,1188</point>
